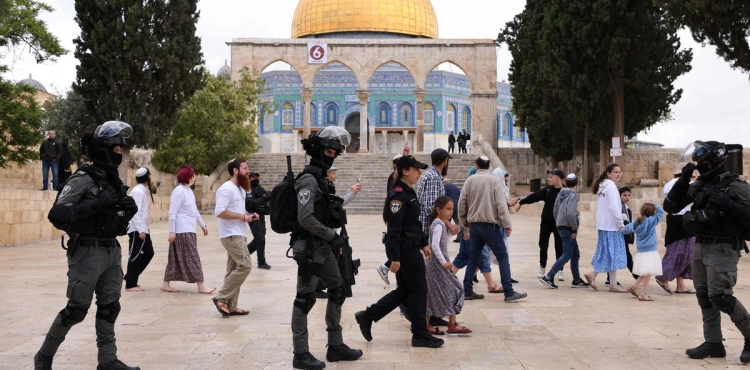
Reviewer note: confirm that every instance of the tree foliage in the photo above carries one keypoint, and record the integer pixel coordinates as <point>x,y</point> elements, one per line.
<point>600,59</point>
<point>67,115</point>
<point>212,127</point>
<point>723,24</point>
<point>139,62</point>
<point>21,30</point>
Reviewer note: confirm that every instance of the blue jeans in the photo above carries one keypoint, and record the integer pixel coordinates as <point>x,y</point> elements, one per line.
<point>570,253</point>
<point>462,258</point>
<point>491,235</point>
<point>46,165</point>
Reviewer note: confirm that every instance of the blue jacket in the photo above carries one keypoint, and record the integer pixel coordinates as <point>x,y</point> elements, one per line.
<point>645,232</point>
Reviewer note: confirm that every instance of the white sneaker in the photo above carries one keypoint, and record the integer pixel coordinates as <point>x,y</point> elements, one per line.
<point>383,272</point>
<point>541,272</point>
<point>560,276</point>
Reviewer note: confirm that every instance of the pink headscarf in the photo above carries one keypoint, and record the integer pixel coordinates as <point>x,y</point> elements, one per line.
<point>185,174</point>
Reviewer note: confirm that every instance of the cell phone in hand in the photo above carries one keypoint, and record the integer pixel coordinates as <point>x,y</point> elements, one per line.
<point>357,180</point>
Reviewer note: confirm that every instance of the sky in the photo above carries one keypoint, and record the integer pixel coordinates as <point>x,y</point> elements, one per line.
<point>715,104</point>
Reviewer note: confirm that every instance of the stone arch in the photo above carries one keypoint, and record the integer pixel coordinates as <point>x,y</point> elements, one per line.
<point>435,64</point>
<point>370,71</point>
<point>343,62</point>
<point>261,65</point>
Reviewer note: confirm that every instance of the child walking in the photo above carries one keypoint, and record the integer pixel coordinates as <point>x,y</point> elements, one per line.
<point>445,293</point>
<point>647,262</point>
<point>566,219</point>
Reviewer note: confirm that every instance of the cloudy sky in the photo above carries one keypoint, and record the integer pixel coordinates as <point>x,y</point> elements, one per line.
<point>715,104</point>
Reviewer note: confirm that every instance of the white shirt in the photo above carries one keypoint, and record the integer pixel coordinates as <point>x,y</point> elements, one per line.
<point>183,213</point>
<point>230,197</point>
<point>608,207</point>
<point>667,188</point>
<point>139,222</point>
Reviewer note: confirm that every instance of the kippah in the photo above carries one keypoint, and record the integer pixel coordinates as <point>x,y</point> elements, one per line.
<point>571,176</point>
<point>143,171</point>
<point>484,158</point>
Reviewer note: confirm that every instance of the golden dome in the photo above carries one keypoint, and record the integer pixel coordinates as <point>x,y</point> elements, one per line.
<point>406,17</point>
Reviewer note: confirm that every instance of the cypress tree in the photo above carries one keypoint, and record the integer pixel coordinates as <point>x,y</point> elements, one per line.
<point>139,62</point>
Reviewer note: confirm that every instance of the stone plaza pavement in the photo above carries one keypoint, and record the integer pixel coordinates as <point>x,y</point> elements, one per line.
<point>551,329</point>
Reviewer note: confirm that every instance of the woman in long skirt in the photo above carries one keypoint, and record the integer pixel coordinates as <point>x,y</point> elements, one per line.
<point>677,260</point>
<point>183,261</point>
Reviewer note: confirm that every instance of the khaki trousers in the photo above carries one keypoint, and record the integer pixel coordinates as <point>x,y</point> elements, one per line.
<point>239,266</point>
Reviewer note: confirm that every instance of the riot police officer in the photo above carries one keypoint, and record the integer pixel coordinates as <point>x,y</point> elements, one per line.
<point>405,239</point>
<point>319,213</point>
<point>720,219</point>
<point>93,209</point>
<point>256,202</point>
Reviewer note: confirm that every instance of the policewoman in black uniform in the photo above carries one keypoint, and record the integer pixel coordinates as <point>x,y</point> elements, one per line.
<point>404,241</point>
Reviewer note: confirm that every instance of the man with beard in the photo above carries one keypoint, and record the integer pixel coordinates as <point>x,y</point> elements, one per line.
<point>255,197</point>
<point>141,250</point>
<point>230,210</point>
<point>319,214</point>
<point>93,209</point>
<point>431,187</point>
<point>720,219</point>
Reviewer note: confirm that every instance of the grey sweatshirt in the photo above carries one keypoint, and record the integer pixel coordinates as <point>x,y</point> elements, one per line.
<point>566,209</point>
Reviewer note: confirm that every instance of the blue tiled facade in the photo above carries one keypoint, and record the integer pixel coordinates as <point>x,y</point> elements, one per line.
<point>391,105</point>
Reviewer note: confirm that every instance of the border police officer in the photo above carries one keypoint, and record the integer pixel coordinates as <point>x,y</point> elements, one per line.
<point>720,218</point>
<point>256,201</point>
<point>404,241</point>
<point>93,209</point>
<point>319,213</point>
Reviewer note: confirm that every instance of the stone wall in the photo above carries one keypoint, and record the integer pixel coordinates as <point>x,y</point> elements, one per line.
<point>638,164</point>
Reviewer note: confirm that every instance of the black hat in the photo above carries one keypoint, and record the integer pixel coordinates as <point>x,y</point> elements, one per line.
<point>439,155</point>
<point>557,173</point>
<point>253,174</point>
<point>408,161</point>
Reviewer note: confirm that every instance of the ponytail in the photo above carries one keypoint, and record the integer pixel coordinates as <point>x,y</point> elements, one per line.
<point>602,177</point>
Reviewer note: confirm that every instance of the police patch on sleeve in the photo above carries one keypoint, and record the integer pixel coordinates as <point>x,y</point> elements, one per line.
<point>395,206</point>
<point>64,191</point>
<point>304,196</point>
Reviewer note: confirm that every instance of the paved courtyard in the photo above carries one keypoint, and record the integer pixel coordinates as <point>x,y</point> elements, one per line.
<point>552,329</point>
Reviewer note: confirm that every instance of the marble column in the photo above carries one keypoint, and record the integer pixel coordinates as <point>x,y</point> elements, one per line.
<point>364,143</point>
<point>306,98</point>
<point>484,118</point>
<point>385,142</point>
<point>419,94</point>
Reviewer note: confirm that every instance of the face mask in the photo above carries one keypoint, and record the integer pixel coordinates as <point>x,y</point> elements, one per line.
<point>255,183</point>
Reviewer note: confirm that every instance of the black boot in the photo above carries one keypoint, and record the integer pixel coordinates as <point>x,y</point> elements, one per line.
<point>42,362</point>
<point>707,349</point>
<point>307,361</point>
<point>429,341</point>
<point>745,356</point>
<point>365,324</point>
<point>116,365</point>
<point>342,353</point>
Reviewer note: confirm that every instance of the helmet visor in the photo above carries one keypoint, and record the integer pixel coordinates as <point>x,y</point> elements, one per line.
<point>687,154</point>
<point>336,133</point>
<point>114,129</point>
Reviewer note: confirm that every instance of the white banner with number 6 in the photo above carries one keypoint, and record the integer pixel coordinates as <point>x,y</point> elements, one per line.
<point>317,53</point>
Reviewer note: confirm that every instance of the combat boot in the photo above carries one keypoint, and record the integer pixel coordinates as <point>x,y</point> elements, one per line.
<point>707,349</point>
<point>365,324</point>
<point>307,361</point>
<point>342,353</point>
<point>42,362</point>
<point>116,365</point>
<point>745,356</point>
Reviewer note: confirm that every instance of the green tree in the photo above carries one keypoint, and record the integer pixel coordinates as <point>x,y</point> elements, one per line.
<point>604,58</point>
<point>21,30</point>
<point>139,62</point>
<point>67,115</point>
<point>212,127</point>
<point>535,104</point>
<point>723,24</point>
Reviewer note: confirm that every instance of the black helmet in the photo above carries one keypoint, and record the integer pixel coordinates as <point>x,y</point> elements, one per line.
<point>331,137</point>
<point>713,153</point>
<point>98,145</point>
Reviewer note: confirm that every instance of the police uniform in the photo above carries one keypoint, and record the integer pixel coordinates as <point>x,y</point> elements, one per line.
<point>725,200</point>
<point>258,228</point>
<point>405,239</point>
<point>319,213</point>
<point>93,209</point>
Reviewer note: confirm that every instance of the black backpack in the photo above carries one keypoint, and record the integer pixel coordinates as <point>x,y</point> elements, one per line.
<point>284,203</point>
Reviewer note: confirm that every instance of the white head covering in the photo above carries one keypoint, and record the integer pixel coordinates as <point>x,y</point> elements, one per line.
<point>143,171</point>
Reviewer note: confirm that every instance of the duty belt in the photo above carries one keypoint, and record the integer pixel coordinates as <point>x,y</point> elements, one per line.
<point>97,243</point>
<point>715,239</point>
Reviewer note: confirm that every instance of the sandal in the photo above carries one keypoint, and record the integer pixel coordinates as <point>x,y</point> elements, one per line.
<point>495,289</point>
<point>645,298</point>
<point>632,291</point>
<point>665,287</point>
<point>222,312</point>
<point>590,280</point>
<point>458,329</point>
<point>239,312</point>
<point>617,290</point>
<point>434,330</point>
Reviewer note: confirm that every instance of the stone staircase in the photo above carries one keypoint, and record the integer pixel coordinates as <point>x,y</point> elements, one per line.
<point>372,169</point>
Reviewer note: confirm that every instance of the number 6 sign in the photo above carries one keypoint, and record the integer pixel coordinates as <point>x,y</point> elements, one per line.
<point>317,53</point>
